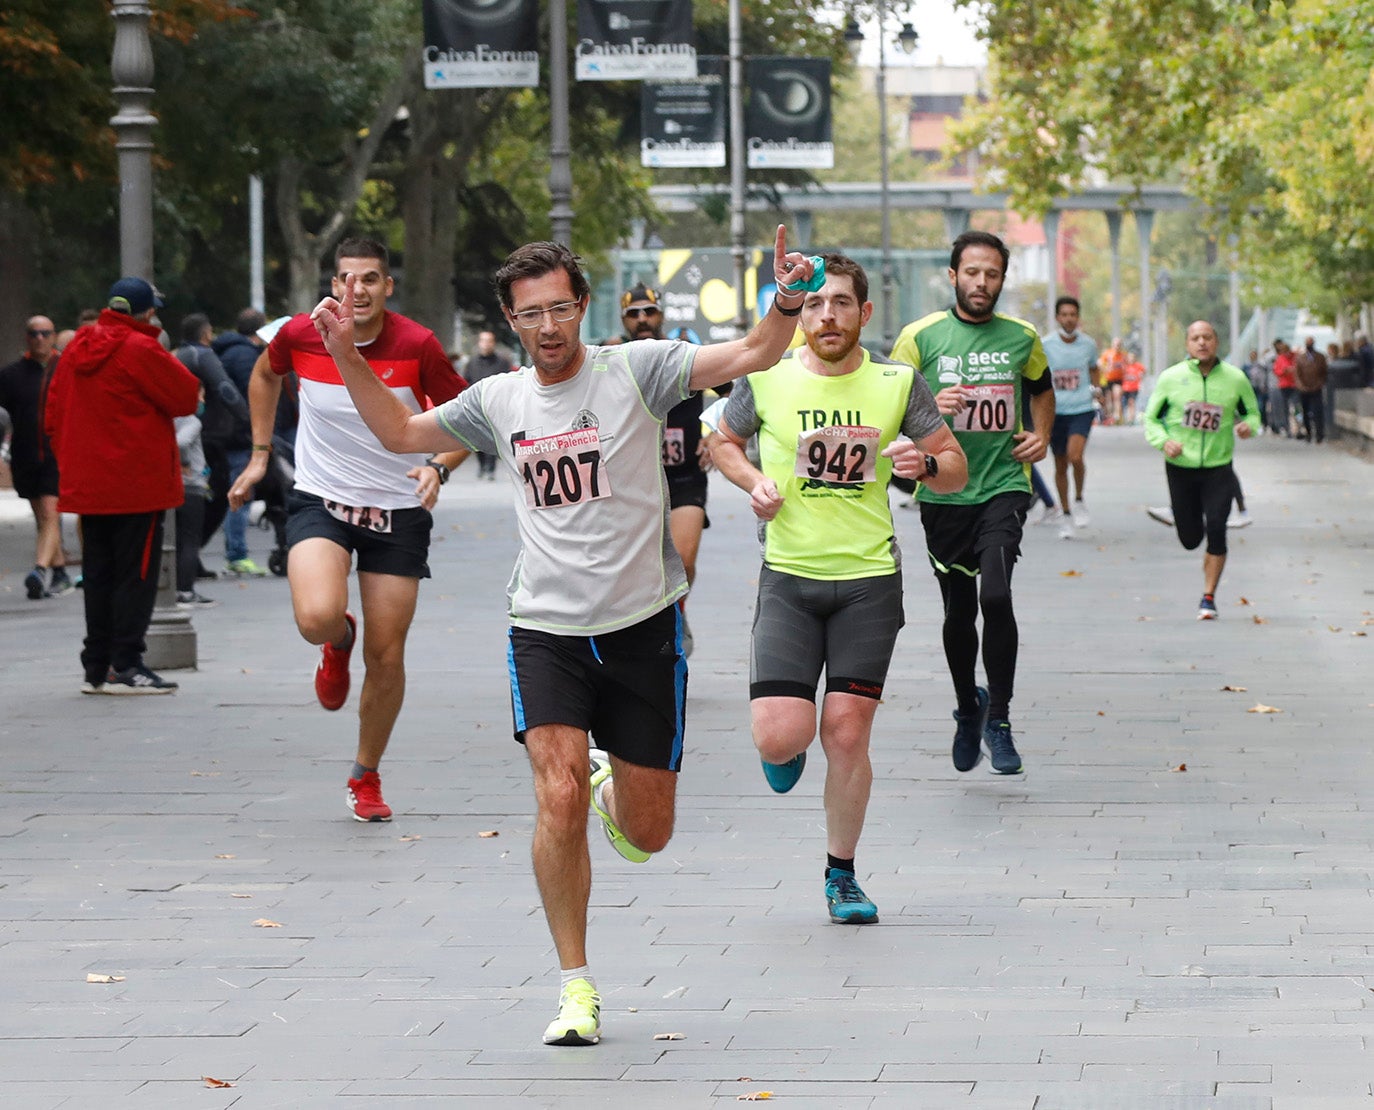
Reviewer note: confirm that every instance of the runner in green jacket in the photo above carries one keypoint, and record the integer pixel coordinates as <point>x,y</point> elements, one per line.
<point>1198,408</point>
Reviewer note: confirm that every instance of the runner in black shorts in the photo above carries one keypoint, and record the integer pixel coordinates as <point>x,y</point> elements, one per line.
<point>685,461</point>
<point>980,364</point>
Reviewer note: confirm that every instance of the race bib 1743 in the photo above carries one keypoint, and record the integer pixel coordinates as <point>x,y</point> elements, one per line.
<point>844,454</point>
<point>374,520</point>
<point>561,470</point>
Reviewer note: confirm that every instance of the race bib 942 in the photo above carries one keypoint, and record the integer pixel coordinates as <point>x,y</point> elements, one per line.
<point>561,470</point>
<point>843,454</point>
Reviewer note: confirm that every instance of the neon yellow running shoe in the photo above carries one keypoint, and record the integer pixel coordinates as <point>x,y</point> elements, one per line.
<point>601,775</point>
<point>579,1016</point>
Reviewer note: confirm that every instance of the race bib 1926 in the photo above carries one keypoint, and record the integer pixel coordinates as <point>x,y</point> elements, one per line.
<point>1202,415</point>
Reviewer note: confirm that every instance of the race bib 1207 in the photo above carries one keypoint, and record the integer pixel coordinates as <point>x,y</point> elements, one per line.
<point>561,470</point>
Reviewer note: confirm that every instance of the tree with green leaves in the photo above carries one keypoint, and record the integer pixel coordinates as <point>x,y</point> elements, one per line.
<point>1260,108</point>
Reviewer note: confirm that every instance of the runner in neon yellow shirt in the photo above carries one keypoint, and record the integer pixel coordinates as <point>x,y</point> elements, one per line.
<point>833,423</point>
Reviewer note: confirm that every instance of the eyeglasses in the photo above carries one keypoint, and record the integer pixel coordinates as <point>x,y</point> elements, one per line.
<point>39,333</point>
<point>636,313</point>
<point>533,317</point>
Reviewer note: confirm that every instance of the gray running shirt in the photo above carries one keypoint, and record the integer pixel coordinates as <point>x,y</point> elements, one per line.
<point>591,499</point>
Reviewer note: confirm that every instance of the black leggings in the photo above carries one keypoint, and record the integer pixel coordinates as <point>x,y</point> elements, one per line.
<point>1001,638</point>
<point>1201,498</point>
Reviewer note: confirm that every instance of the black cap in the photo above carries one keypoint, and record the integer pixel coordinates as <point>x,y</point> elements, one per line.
<point>640,292</point>
<point>133,296</point>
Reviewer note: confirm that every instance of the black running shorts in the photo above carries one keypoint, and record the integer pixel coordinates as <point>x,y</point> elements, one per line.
<point>628,689</point>
<point>957,535</point>
<point>403,551</point>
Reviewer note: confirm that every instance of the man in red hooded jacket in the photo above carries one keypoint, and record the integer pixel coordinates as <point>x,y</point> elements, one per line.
<point>109,417</point>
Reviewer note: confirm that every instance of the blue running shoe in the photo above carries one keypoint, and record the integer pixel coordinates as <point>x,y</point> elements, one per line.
<point>783,776</point>
<point>968,735</point>
<point>847,902</point>
<point>1207,608</point>
<point>1001,750</point>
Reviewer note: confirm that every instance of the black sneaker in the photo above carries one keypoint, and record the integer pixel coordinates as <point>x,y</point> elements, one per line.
<point>968,735</point>
<point>60,583</point>
<point>205,574</point>
<point>1001,750</point>
<point>136,680</point>
<point>190,599</point>
<point>36,585</point>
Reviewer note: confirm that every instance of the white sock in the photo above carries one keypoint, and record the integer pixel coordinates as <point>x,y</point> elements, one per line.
<point>571,973</point>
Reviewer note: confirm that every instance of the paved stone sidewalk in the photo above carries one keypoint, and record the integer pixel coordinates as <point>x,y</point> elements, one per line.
<point>1108,930</point>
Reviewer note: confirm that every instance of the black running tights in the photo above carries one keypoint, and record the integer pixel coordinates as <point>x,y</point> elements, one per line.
<point>1000,637</point>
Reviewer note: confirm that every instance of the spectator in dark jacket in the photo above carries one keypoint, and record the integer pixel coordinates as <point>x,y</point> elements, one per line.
<point>109,415</point>
<point>226,415</point>
<point>1309,372</point>
<point>237,351</point>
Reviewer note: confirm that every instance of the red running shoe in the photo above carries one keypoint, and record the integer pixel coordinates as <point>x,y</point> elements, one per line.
<point>331,676</point>
<point>364,798</point>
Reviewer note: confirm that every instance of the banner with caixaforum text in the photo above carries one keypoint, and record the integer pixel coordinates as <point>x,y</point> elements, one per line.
<point>634,40</point>
<point>477,44</point>
<point>787,121</point>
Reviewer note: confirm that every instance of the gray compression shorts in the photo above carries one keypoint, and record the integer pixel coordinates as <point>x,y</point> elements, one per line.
<point>802,624</point>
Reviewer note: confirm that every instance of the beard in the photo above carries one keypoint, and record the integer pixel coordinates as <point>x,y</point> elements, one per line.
<point>968,310</point>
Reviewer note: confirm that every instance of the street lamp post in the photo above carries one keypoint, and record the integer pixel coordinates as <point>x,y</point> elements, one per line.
<point>560,156</point>
<point>171,638</point>
<point>907,37</point>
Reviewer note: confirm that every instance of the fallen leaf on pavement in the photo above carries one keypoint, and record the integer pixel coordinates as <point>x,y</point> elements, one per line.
<point>1181,767</point>
<point>1260,620</point>
<point>1263,709</point>
<point>669,1037</point>
<point>210,1081</point>
<point>226,855</point>
<point>264,923</point>
<point>409,837</point>
<point>1100,713</point>
<point>1333,628</point>
<point>754,1096</point>
<point>240,896</point>
<point>1243,601</point>
<point>487,834</point>
<point>98,977</point>
<point>1234,689</point>
<point>1359,632</point>
<point>1070,574</point>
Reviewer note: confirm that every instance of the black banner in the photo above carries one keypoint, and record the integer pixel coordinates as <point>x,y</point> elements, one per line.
<point>682,123</point>
<point>634,40</point>
<point>787,122</point>
<point>474,44</point>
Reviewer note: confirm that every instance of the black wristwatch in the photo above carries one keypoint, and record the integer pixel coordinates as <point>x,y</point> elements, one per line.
<point>932,466</point>
<point>444,471</point>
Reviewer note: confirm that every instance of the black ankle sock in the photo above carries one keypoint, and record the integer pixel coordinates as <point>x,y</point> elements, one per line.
<point>838,864</point>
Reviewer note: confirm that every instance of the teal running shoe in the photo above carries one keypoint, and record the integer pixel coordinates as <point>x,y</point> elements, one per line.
<point>783,776</point>
<point>847,902</point>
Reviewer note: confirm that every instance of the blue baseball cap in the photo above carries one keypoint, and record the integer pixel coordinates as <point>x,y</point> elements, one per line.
<point>134,296</point>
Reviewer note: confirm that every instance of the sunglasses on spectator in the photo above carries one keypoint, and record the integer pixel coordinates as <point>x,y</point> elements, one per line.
<point>636,313</point>
<point>36,333</point>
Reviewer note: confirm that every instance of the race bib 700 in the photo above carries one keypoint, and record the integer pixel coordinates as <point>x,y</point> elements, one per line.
<point>991,408</point>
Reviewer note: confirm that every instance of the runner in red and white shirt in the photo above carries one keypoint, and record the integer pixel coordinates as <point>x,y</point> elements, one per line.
<point>351,496</point>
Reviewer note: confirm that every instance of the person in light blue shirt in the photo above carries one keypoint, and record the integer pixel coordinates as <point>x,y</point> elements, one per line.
<point>1073,368</point>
